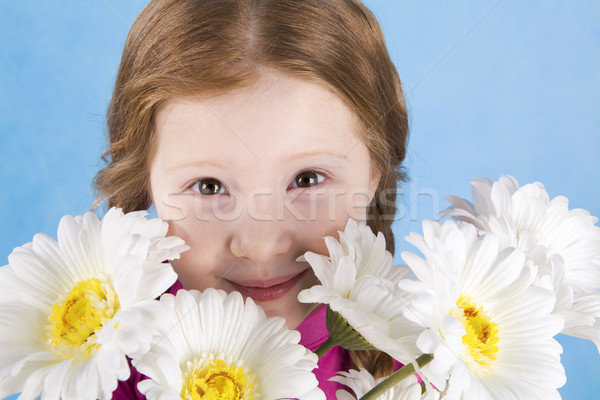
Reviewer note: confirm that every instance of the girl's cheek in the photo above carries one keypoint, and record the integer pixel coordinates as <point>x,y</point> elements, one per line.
<point>333,205</point>
<point>327,206</point>
<point>174,207</point>
<point>217,208</point>
<point>357,205</point>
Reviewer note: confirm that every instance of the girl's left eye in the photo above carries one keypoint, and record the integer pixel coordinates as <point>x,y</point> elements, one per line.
<point>208,187</point>
<point>307,179</point>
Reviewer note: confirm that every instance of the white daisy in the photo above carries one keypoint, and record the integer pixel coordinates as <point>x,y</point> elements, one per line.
<point>361,382</point>
<point>222,348</point>
<point>71,310</point>
<point>583,318</point>
<point>564,244</point>
<point>525,217</point>
<point>358,283</point>
<point>581,311</point>
<point>487,327</point>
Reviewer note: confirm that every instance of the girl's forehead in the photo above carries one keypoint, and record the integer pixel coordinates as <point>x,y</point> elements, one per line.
<point>279,114</point>
<point>271,85</point>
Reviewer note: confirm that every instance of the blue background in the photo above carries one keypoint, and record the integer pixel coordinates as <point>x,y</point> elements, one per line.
<point>492,87</point>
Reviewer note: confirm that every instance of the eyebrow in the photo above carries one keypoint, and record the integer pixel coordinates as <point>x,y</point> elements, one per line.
<point>195,163</point>
<point>317,153</point>
<point>297,156</point>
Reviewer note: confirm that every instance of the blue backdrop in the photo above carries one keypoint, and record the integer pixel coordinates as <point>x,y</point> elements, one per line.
<point>492,87</point>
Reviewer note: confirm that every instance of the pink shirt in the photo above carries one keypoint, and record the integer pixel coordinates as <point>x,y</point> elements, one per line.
<point>313,333</point>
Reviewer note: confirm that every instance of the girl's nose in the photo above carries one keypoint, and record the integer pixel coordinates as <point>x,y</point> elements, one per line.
<point>261,241</point>
<point>263,236</point>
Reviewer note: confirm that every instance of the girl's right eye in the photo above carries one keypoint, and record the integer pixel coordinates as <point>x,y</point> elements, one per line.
<point>208,187</point>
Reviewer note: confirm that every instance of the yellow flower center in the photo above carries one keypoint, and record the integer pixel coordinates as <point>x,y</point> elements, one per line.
<point>216,380</point>
<point>482,334</point>
<point>75,320</point>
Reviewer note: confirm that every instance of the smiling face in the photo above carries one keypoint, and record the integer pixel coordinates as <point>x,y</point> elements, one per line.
<point>254,178</point>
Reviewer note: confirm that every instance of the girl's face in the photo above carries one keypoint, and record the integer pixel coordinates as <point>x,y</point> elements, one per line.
<point>253,179</point>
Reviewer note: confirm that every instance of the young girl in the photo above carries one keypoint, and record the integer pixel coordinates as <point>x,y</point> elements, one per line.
<point>256,128</point>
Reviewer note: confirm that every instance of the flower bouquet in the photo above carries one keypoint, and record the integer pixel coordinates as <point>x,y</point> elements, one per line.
<point>473,316</point>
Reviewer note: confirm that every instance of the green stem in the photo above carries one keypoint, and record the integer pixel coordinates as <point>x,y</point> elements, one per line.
<point>328,344</point>
<point>396,378</point>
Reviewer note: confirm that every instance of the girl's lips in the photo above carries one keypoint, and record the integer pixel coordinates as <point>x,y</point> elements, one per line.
<point>267,290</point>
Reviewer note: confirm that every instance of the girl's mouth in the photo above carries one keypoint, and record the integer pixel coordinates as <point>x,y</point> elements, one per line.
<point>268,290</point>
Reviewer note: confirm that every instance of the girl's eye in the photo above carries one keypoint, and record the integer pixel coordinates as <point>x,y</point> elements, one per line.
<point>307,179</point>
<point>208,186</point>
